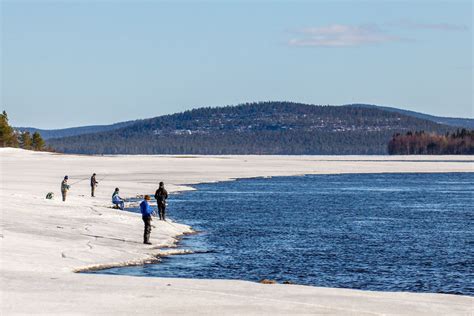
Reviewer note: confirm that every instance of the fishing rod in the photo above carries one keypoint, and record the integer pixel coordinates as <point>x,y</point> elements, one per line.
<point>79,181</point>
<point>86,179</point>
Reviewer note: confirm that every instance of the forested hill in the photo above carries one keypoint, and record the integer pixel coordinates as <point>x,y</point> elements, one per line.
<point>255,128</point>
<point>73,131</point>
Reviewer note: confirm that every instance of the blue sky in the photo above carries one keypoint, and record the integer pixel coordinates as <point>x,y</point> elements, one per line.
<point>72,63</point>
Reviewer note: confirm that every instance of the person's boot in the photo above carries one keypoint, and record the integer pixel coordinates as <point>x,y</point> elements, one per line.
<point>146,239</point>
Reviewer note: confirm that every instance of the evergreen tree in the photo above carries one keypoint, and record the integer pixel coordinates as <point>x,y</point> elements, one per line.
<point>37,141</point>
<point>7,134</point>
<point>26,141</point>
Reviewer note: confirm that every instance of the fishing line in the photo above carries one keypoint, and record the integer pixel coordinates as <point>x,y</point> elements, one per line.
<point>171,224</point>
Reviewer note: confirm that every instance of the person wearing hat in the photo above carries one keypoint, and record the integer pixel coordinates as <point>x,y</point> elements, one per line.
<point>147,211</point>
<point>94,183</point>
<point>161,195</point>
<point>117,200</point>
<point>64,188</point>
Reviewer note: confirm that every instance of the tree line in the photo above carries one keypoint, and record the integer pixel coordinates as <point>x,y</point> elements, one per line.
<point>225,143</point>
<point>9,137</point>
<point>460,142</point>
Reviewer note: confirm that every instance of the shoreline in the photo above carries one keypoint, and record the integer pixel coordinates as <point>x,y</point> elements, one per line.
<point>191,251</point>
<point>162,253</point>
<point>43,241</point>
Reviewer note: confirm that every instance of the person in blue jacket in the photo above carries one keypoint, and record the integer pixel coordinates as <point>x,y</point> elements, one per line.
<point>147,211</point>
<point>117,200</point>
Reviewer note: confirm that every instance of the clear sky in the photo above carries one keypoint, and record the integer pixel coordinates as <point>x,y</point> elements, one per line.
<point>72,63</point>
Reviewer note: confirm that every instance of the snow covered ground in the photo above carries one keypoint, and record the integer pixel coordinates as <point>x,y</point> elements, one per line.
<point>43,242</point>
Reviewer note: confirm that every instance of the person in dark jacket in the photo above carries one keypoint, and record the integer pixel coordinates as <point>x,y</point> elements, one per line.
<point>64,188</point>
<point>161,195</point>
<point>94,183</point>
<point>147,211</point>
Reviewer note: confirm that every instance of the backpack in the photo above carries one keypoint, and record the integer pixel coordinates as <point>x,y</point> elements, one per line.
<point>50,196</point>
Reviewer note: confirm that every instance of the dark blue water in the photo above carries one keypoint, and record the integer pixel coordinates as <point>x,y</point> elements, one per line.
<point>388,232</point>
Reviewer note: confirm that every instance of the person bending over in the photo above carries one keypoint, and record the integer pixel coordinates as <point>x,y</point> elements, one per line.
<point>147,211</point>
<point>161,195</point>
<point>117,200</point>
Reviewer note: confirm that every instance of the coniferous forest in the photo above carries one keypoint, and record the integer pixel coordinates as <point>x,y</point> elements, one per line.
<point>460,142</point>
<point>9,137</point>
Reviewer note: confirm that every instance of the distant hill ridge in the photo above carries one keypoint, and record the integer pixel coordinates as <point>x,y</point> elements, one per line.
<point>451,121</point>
<point>74,131</point>
<point>255,128</point>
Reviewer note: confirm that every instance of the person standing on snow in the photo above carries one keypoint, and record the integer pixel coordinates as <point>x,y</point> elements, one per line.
<point>64,188</point>
<point>161,195</point>
<point>94,184</point>
<point>147,211</point>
